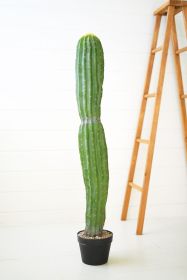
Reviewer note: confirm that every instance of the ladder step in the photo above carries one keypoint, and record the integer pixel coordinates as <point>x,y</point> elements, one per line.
<point>181,50</point>
<point>143,141</point>
<point>178,4</point>
<point>149,95</point>
<point>157,49</point>
<point>184,96</point>
<point>136,187</point>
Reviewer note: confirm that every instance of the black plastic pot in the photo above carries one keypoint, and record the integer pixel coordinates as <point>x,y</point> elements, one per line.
<point>95,251</point>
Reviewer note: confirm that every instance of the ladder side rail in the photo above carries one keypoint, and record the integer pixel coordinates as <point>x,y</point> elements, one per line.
<point>141,119</point>
<point>143,202</point>
<point>185,18</point>
<point>185,23</point>
<point>179,82</point>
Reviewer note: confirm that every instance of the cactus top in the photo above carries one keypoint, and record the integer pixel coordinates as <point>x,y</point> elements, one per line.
<point>89,76</point>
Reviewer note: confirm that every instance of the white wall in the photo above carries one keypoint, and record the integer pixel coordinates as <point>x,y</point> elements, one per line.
<point>40,173</point>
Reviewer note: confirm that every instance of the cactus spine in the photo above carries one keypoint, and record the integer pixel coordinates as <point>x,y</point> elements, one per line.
<point>92,144</point>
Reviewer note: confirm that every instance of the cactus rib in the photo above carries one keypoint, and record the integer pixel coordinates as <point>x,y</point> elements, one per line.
<point>92,144</point>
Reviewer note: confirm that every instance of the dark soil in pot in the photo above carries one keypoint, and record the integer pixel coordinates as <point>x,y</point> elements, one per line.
<point>95,250</point>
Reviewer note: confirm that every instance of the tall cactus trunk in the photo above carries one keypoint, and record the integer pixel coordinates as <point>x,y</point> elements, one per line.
<point>92,144</point>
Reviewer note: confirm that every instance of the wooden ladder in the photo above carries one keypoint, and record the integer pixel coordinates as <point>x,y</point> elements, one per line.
<point>169,9</point>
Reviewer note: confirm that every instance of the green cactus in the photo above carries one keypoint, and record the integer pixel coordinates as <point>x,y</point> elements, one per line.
<point>92,144</point>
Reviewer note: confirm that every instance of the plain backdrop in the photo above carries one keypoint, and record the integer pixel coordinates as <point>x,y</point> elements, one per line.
<point>40,173</point>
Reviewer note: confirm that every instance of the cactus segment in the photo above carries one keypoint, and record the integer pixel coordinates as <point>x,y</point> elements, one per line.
<point>92,144</point>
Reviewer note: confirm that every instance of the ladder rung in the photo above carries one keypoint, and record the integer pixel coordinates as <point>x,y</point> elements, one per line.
<point>157,49</point>
<point>143,141</point>
<point>181,50</point>
<point>149,95</point>
<point>136,187</point>
<point>184,96</point>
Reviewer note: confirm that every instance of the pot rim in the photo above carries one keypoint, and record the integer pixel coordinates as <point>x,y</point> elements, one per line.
<point>92,241</point>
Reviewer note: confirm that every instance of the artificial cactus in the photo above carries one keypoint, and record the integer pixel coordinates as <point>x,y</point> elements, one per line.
<point>92,144</point>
